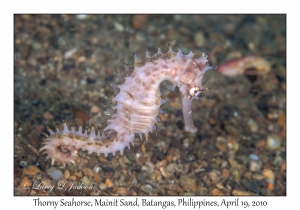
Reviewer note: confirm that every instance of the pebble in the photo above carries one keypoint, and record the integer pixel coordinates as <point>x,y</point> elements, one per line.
<point>95,109</point>
<point>260,144</point>
<point>94,193</point>
<point>157,175</point>
<point>232,144</point>
<point>258,176</point>
<point>23,163</point>
<point>186,143</point>
<point>143,148</point>
<point>140,178</point>
<point>283,167</point>
<point>214,176</point>
<point>150,166</point>
<point>97,178</point>
<point>81,59</point>
<point>177,188</point>
<point>272,115</point>
<point>273,141</point>
<point>255,166</point>
<point>54,173</point>
<point>269,174</point>
<point>161,164</point>
<point>172,192</point>
<point>270,186</point>
<point>42,193</point>
<point>102,186</point>
<point>278,160</point>
<point>81,116</point>
<point>247,175</point>
<point>31,170</point>
<point>281,121</point>
<point>96,169</point>
<point>88,172</point>
<point>232,130</point>
<point>73,177</point>
<point>147,189</point>
<point>102,160</point>
<point>234,164</point>
<point>36,46</point>
<point>144,168</point>
<point>48,116</point>
<point>33,193</point>
<point>188,184</point>
<point>25,182</point>
<point>68,54</point>
<point>199,39</point>
<point>78,174</point>
<point>46,182</point>
<point>34,139</point>
<point>108,183</point>
<point>253,157</point>
<point>165,172</point>
<point>252,125</point>
<point>122,191</point>
<point>225,172</point>
<point>119,26</point>
<point>139,21</point>
<point>216,191</point>
<point>169,158</point>
<point>125,159</point>
<point>81,16</point>
<point>86,181</point>
<point>171,168</point>
<point>220,185</point>
<point>221,144</point>
<point>67,174</point>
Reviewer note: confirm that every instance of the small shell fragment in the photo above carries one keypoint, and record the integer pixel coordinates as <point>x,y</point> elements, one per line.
<point>245,65</point>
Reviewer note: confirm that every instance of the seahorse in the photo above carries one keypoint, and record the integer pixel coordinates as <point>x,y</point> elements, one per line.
<point>137,106</point>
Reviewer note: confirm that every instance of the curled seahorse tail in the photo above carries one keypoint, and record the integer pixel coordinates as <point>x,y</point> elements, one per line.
<point>62,145</point>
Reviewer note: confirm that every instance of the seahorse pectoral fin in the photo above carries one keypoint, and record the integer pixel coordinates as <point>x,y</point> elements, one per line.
<point>187,115</point>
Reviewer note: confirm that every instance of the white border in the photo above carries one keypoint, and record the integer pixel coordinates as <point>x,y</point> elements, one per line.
<point>163,7</point>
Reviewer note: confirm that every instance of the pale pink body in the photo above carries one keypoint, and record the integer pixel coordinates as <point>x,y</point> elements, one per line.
<point>138,106</point>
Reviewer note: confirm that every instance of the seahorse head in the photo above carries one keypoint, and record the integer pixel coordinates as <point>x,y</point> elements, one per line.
<point>191,79</point>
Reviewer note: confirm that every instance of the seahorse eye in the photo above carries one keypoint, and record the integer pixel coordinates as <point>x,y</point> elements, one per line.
<point>194,90</point>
